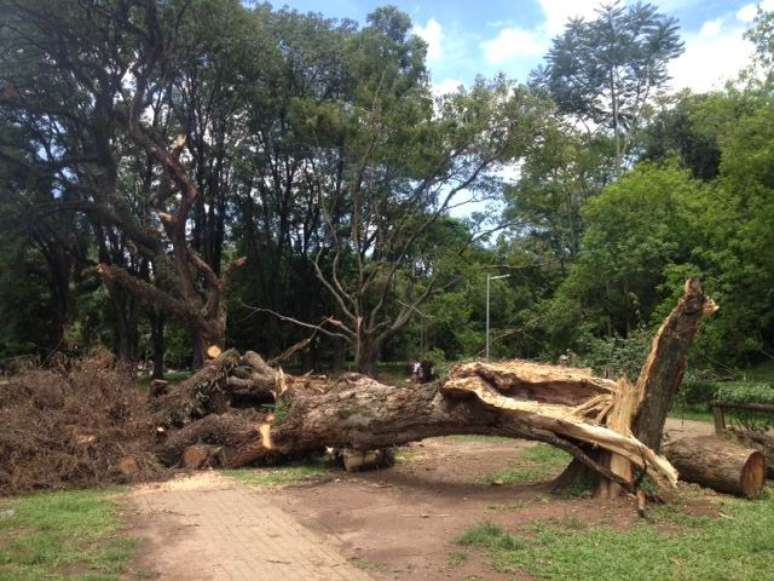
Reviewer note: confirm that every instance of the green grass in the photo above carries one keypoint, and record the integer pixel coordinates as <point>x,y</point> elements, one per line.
<point>55,535</point>
<point>457,558</point>
<point>537,463</point>
<point>281,476</point>
<point>672,546</point>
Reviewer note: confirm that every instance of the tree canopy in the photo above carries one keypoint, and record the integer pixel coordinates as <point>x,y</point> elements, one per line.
<point>178,174</point>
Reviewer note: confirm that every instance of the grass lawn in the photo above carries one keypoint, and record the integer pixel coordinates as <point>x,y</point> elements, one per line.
<point>56,535</point>
<point>738,545</point>
<point>540,462</point>
<point>280,476</point>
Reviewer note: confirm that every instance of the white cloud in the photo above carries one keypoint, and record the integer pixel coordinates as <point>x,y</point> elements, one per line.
<point>514,42</point>
<point>558,12</point>
<point>432,34</point>
<point>747,12</point>
<point>711,27</point>
<point>511,43</point>
<point>710,60</point>
<point>446,86</point>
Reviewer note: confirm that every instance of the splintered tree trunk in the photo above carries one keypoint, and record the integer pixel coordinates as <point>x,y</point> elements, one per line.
<point>661,376</point>
<point>663,371</point>
<point>557,405</point>
<point>720,464</point>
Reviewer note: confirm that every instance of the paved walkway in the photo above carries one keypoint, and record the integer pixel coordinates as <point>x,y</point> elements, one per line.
<point>208,527</point>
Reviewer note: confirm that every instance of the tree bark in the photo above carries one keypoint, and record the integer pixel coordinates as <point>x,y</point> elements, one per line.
<point>720,464</point>
<point>763,441</point>
<point>663,371</point>
<point>157,324</point>
<point>557,405</point>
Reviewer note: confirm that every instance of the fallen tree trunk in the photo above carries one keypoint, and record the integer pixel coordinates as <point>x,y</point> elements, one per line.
<point>721,464</point>
<point>359,413</point>
<point>596,420</point>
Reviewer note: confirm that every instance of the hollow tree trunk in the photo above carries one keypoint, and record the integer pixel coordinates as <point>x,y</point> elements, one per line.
<point>720,464</point>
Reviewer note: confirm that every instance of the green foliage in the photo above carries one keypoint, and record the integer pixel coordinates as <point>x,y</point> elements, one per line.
<point>60,533</point>
<point>605,70</point>
<point>748,393</point>
<point>617,356</point>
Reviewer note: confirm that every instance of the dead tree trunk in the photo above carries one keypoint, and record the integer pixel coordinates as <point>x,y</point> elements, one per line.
<point>763,441</point>
<point>720,464</point>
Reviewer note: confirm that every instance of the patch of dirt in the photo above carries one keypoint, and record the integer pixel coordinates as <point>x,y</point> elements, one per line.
<point>677,428</point>
<point>403,521</point>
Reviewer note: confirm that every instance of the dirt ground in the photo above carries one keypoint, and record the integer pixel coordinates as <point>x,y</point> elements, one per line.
<point>398,523</point>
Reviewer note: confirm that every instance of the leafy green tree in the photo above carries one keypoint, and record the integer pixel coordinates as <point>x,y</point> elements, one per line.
<point>636,229</point>
<point>605,71</point>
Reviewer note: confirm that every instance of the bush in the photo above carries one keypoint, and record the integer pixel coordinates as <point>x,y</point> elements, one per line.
<point>697,394</point>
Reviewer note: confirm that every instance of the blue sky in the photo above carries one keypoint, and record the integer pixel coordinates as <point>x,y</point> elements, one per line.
<point>467,38</point>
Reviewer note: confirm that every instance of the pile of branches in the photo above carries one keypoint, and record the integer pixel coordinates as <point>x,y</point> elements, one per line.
<point>76,423</point>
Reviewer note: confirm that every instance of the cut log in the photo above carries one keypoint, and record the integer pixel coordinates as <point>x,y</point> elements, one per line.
<point>763,441</point>
<point>720,464</point>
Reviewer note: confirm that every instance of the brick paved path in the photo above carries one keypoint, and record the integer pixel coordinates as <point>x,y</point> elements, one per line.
<point>208,527</point>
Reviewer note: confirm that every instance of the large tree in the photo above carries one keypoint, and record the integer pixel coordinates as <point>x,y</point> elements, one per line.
<point>605,71</point>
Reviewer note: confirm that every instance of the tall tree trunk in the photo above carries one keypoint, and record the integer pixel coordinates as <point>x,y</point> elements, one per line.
<point>367,355</point>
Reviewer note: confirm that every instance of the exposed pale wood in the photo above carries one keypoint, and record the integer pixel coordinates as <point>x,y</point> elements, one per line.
<point>763,441</point>
<point>560,420</point>
<point>626,403</point>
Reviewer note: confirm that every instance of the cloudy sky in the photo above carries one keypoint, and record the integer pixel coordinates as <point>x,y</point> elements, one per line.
<point>470,37</point>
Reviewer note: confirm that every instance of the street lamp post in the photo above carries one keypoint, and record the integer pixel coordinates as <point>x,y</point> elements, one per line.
<point>490,278</point>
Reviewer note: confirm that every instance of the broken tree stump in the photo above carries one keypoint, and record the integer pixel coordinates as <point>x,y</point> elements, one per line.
<point>656,386</point>
<point>720,464</point>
